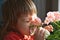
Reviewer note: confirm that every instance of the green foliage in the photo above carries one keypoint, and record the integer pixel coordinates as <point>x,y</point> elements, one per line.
<point>56,33</point>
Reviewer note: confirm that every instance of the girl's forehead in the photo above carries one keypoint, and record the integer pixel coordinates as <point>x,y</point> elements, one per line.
<point>24,17</point>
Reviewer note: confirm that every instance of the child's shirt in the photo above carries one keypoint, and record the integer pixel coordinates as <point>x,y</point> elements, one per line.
<point>16,36</point>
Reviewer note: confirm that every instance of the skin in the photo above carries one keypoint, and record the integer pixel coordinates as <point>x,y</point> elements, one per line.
<point>23,24</point>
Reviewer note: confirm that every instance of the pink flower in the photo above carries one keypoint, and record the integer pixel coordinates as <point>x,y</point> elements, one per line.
<point>46,21</point>
<point>49,28</point>
<point>37,21</point>
<point>57,15</point>
<point>51,17</point>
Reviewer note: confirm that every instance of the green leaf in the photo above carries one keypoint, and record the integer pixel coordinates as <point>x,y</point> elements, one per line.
<point>56,33</point>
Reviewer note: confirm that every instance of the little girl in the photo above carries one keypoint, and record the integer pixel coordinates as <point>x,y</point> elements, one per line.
<point>17,16</point>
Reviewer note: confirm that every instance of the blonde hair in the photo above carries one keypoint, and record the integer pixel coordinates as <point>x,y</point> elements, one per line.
<point>12,9</point>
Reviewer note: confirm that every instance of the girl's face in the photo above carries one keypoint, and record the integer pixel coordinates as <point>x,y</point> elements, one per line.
<point>23,24</point>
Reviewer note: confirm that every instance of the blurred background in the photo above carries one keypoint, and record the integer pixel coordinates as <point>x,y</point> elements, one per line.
<point>43,6</point>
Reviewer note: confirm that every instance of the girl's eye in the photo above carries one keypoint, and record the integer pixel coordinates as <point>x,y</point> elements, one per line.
<point>27,21</point>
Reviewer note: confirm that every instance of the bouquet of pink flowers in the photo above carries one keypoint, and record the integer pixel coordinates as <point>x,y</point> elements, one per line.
<point>37,23</point>
<point>53,18</point>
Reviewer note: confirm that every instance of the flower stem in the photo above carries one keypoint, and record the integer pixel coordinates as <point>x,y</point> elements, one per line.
<point>57,24</point>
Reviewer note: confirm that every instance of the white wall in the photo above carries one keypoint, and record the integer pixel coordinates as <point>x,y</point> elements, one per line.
<point>59,5</point>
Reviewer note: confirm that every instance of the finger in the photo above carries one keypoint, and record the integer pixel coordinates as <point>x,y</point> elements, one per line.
<point>36,32</point>
<point>42,33</point>
<point>39,35</point>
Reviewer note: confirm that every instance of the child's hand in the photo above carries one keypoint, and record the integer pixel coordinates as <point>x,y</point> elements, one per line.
<point>39,35</point>
<point>49,28</point>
